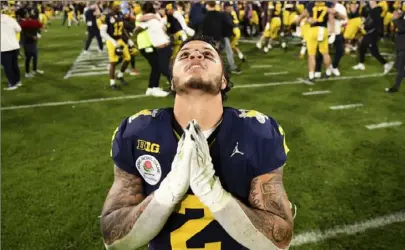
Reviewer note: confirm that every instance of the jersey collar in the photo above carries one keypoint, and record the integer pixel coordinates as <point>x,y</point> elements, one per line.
<point>178,130</point>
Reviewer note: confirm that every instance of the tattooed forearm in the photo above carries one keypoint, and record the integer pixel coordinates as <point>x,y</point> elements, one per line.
<point>269,224</point>
<point>119,223</point>
<point>124,204</point>
<point>270,212</point>
<point>267,193</point>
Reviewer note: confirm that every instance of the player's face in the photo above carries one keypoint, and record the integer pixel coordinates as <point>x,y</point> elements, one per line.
<point>198,66</point>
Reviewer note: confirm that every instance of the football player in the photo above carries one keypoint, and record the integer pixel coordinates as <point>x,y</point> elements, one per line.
<point>273,27</point>
<point>177,27</point>
<point>354,28</point>
<point>319,13</point>
<point>198,175</point>
<point>112,30</point>
<point>228,9</point>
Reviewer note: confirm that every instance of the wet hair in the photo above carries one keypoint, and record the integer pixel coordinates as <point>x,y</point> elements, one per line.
<point>225,67</point>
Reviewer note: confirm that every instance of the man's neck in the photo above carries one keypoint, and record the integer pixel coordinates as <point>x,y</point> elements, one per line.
<point>207,110</point>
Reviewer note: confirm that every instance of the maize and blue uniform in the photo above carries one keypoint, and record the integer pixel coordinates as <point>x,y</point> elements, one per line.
<point>115,29</point>
<point>245,145</point>
<point>318,33</point>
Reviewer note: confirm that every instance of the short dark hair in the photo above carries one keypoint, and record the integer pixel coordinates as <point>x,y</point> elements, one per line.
<point>225,67</point>
<point>211,3</point>
<point>148,7</point>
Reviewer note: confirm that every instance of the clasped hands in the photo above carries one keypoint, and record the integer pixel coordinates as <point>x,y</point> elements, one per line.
<point>192,167</point>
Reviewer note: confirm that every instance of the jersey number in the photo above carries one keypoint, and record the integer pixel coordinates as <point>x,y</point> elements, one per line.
<point>118,28</point>
<point>319,13</point>
<point>179,237</point>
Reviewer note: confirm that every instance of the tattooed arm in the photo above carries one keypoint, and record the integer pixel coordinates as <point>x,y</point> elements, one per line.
<point>268,222</point>
<point>129,219</point>
<point>270,212</point>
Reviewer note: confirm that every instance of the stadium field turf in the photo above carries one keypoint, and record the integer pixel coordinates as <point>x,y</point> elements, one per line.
<point>56,169</point>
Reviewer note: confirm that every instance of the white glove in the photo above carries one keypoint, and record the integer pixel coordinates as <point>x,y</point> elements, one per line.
<point>175,185</point>
<point>183,36</point>
<point>331,38</point>
<point>204,184</point>
<point>190,32</point>
<point>130,43</point>
<point>38,35</point>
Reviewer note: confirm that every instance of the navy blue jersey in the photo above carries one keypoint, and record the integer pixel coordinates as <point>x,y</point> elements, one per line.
<point>115,25</point>
<point>245,145</point>
<point>318,11</point>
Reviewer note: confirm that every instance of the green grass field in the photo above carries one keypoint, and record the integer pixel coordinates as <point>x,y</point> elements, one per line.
<point>56,169</point>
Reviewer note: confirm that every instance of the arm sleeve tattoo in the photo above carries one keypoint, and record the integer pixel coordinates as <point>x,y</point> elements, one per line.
<point>123,205</point>
<point>129,219</point>
<point>267,223</point>
<point>270,212</point>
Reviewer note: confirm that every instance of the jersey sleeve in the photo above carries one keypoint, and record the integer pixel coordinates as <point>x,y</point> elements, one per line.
<point>271,148</point>
<point>122,149</point>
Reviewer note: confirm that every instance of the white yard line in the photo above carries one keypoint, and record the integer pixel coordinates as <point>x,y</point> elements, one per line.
<point>259,85</point>
<point>384,125</point>
<point>305,81</point>
<point>317,236</point>
<point>348,106</point>
<point>276,73</point>
<point>264,66</point>
<point>74,102</point>
<point>319,92</point>
<point>93,73</point>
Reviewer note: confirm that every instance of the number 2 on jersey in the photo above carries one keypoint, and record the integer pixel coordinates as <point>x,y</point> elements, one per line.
<point>319,13</point>
<point>179,237</point>
<point>118,28</point>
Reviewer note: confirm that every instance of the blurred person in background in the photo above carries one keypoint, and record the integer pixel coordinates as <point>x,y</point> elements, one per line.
<point>176,26</point>
<point>31,32</point>
<point>338,44</point>
<point>129,26</point>
<point>196,16</point>
<point>399,21</point>
<point>219,27</point>
<point>320,15</point>
<point>9,51</point>
<point>90,16</point>
<point>229,9</point>
<point>158,51</point>
<point>112,30</point>
<point>373,25</point>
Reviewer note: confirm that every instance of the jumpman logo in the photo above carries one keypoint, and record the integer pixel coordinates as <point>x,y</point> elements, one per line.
<point>236,150</point>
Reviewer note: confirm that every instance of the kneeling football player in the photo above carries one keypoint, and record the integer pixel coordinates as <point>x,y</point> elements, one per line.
<point>198,175</point>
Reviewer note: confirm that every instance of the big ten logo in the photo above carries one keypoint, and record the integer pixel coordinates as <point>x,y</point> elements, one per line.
<point>148,146</point>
